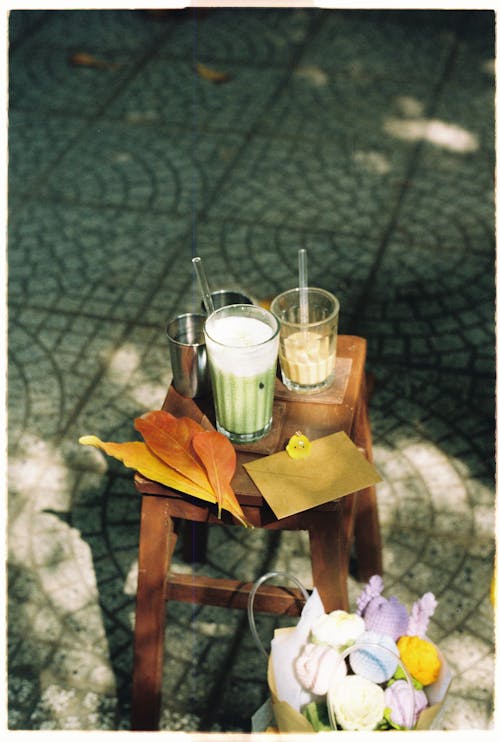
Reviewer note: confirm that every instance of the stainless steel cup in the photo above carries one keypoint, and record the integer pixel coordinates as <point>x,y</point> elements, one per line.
<point>225,297</point>
<point>188,355</point>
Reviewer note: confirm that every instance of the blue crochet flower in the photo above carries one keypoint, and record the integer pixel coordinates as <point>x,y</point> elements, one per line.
<point>377,660</point>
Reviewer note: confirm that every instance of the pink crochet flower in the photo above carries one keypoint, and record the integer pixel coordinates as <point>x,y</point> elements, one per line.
<point>317,666</point>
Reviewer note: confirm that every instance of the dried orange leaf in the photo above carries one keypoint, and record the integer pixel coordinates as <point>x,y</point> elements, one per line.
<point>219,459</point>
<point>172,439</point>
<point>83,59</point>
<point>207,73</point>
<point>136,455</point>
<point>186,428</point>
<point>160,431</point>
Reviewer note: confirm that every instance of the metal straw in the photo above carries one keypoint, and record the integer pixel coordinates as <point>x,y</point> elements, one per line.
<point>203,284</point>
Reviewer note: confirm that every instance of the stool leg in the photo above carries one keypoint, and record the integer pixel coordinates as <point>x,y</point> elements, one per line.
<point>329,559</point>
<point>366,526</point>
<point>367,536</point>
<point>156,545</point>
<point>195,540</point>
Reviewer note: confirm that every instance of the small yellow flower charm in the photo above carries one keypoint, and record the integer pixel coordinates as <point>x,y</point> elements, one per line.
<point>299,446</point>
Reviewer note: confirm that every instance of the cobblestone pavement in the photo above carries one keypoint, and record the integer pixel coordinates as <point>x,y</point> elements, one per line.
<point>366,137</point>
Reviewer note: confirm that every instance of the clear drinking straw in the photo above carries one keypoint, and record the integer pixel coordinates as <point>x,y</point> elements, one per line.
<point>203,284</point>
<point>304,308</point>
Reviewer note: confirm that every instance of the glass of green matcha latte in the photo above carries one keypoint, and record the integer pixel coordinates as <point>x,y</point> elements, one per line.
<point>242,350</point>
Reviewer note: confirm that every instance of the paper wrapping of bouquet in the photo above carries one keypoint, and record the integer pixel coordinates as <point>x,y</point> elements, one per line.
<point>288,719</point>
<point>436,693</point>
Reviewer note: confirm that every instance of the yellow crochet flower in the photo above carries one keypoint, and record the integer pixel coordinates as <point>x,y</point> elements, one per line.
<point>420,658</point>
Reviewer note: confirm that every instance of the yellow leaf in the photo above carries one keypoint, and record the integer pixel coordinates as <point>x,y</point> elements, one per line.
<point>136,455</point>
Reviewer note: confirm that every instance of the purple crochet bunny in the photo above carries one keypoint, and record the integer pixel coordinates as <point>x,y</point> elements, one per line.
<point>421,612</point>
<point>382,615</point>
<point>389,616</point>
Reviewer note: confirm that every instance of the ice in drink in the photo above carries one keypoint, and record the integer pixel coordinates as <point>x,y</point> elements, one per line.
<point>242,348</point>
<point>307,358</point>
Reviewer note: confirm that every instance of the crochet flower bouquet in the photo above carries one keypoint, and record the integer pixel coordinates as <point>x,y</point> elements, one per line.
<point>374,669</point>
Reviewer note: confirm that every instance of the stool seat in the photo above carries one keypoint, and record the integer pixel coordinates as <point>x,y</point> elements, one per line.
<point>332,527</point>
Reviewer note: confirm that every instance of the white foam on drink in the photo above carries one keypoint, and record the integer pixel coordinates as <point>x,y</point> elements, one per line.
<point>238,348</point>
<point>240,331</point>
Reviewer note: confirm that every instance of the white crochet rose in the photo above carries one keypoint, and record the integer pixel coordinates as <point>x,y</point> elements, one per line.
<point>358,704</point>
<point>338,629</point>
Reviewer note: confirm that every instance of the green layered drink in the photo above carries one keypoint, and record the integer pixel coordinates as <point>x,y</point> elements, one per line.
<point>242,350</point>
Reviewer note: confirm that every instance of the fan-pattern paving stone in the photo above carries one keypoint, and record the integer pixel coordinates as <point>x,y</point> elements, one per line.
<point>366,137</point>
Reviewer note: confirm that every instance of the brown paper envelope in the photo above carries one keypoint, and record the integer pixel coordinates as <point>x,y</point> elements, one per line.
<point>334,468</point>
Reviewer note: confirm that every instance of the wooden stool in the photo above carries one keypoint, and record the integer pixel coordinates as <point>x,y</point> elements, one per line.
<point>333,528</point>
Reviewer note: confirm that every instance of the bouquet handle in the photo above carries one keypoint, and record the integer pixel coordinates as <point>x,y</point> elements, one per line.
<point>251,598</point>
